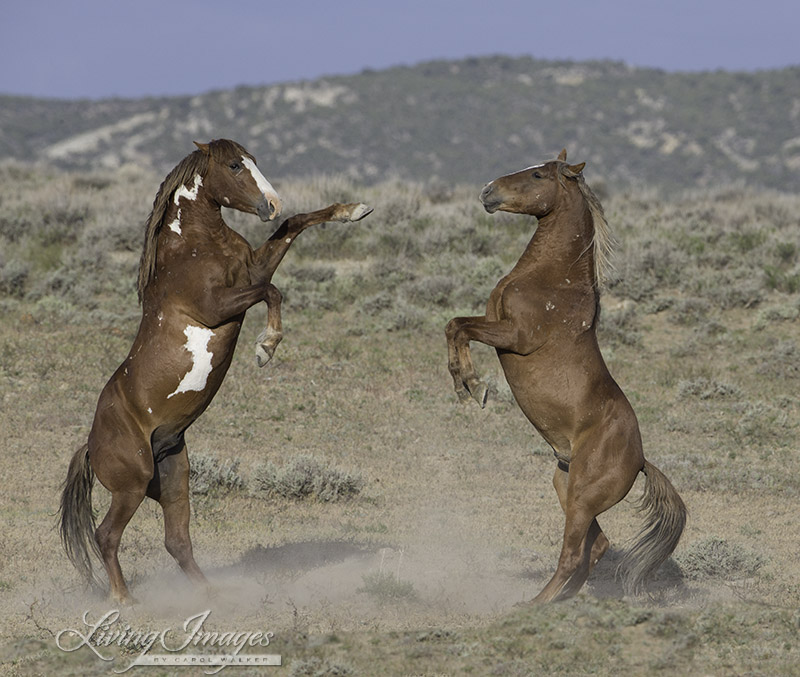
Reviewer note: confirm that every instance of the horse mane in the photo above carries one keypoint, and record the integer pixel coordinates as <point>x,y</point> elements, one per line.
<point>195,163</point>
<point>602,240</point>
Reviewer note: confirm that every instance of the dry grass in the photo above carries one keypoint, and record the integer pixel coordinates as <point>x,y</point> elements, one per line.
<point>454,501</point>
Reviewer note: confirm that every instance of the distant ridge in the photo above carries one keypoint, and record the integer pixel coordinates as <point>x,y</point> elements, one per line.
<point>451,121</point>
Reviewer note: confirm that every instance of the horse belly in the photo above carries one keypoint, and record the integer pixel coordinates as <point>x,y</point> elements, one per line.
<point>175,369</point>
<point>551,395</point>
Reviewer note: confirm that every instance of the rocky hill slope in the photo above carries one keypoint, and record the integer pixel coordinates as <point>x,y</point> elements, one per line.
<point>452,121</point>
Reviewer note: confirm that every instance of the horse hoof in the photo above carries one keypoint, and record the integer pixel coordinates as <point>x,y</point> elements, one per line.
<point>263,355</point>
<point>123,600</point>
<point>480,394</point>
<point>359,212</point>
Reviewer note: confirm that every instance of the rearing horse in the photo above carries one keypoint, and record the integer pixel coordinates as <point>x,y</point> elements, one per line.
<point>541,318</point>
<point>197,278</point>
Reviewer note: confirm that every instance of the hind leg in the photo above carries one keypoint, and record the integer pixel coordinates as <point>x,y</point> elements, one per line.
<point>123,463</point>
<point>591,490</point>
<point>108,535</point>
<point>596,543</point>
<point>170,487</point>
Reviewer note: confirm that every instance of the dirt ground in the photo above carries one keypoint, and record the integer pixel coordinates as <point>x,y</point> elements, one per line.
<point>422,573</point>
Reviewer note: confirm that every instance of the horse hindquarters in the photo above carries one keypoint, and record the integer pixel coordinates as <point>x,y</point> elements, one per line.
<point>122,460</point>
<point>665,519</point>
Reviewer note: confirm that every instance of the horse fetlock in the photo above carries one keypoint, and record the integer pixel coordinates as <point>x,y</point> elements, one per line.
<point>463,395</point>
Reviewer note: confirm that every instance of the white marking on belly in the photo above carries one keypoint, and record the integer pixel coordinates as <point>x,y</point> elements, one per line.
<point>197,339</point>
<point>261,181</point>
<point>149,410</point>
<point>549,305</point>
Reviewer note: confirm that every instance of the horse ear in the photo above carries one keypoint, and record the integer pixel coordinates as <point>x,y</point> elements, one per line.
<point>576,169</point>
<point>563,155</point>
<point>203,147</point>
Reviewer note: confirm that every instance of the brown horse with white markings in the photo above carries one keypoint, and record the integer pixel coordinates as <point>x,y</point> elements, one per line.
<point>197,278</point>
<point>541,318</point>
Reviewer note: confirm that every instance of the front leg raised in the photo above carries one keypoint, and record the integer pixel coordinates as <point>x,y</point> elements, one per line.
<point>502,335</point>
<point>267,258</point>
<point>269,339</point>
<point>460,364</point>
<point>269,255</point>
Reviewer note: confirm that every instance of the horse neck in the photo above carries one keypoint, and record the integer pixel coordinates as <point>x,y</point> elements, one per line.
<point>199,219</point>
<point>563,245</point>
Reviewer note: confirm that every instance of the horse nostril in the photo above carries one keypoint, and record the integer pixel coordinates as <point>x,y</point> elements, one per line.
<point>274,208</point>
<point>488,189</point>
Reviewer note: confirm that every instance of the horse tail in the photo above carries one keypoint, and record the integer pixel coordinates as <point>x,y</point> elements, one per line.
<point>77,518</point>
<point>665,518</point>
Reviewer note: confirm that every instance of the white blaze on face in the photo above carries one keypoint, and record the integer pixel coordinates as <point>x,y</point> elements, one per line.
<point>189,194</point>
<point>197,339</point>
<point>263,185</point>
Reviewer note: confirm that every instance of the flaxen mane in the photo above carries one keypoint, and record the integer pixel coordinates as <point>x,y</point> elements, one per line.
<point>193,164</point>
<point>603,242</point>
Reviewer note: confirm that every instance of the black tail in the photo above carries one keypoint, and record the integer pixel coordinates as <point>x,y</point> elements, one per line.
<point>77,518</point>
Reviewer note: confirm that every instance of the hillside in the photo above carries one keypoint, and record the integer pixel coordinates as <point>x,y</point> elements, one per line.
<point>460,121</point>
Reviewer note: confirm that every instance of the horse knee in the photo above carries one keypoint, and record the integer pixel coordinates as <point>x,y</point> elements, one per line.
<point>274,295</point>
<point>452,328</point>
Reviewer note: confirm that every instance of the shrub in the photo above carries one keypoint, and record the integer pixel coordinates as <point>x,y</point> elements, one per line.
<point>207,474</point>
<point>306,477</point>
<point>707,389</point>
<point>716,558</point>
<point>386,587</point>
<point>318,667</point>
<point>782,361</point>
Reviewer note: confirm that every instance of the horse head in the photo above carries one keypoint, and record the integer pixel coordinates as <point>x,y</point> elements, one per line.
<point>233,180</point>
<point>533,190</point>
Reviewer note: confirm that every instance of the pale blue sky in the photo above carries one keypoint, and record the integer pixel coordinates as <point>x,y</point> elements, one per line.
<point>103,48</point>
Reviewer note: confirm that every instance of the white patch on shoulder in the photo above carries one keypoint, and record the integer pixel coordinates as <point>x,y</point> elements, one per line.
<point>149,410</point>
<point>261,181</point>
<point>197,339</point>
<point>549,305</point>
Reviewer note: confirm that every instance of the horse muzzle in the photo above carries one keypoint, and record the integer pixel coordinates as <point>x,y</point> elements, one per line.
<point>491,202</point>
<point>269,208</point>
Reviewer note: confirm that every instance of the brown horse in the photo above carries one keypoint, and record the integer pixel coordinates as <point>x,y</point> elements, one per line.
<point>542,318</point>
<point>197,278</point>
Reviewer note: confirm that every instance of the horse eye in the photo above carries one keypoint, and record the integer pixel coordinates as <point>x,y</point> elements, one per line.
<point>537,175</point>
<point>235,166</point>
